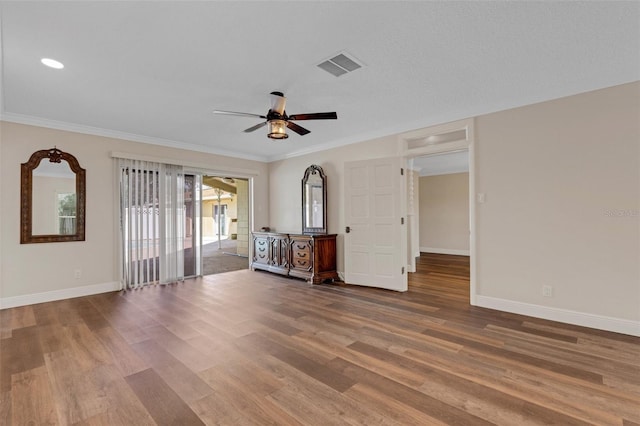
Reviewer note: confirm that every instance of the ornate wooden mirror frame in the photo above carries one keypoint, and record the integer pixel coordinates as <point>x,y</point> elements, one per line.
<point>54,155</point>
<point>314,201</point>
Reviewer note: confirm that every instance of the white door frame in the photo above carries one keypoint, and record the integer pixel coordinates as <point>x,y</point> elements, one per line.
<point>449,137</point>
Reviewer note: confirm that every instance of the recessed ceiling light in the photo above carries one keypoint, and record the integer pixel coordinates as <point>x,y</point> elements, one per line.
<point>52,63</point>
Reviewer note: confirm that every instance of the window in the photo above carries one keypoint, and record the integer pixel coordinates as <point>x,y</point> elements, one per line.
<point>67,213</point>
<point>223,218</point>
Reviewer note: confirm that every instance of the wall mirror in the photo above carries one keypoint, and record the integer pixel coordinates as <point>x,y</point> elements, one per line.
<point>52,198</point>
<point>314,201</point>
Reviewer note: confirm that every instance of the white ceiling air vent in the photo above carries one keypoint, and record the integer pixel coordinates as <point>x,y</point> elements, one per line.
<point>340,64</point>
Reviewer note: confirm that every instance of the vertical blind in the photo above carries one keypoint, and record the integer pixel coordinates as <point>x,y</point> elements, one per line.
<point>152,219</point>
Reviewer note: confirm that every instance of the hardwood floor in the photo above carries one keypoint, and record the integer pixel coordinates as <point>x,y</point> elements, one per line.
<point>252,348</point>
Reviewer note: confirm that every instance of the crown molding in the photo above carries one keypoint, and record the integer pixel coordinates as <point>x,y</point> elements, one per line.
<point>387,132</point>
<point>394,131</point>
<point>96,131</point>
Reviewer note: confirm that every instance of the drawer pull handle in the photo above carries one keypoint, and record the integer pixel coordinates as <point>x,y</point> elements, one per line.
<point>262,242</point>
<point>302,262</point>
<point>302,254</point>
<point>262,256</point>
<point>301,247</point>
<point>261,248</point>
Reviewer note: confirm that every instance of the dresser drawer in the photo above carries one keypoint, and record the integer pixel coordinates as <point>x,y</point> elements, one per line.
<point>301,254</point>
<point>300,249</point>
<point>301,263</point>
<point>310,257</point>
<point>261,250</point>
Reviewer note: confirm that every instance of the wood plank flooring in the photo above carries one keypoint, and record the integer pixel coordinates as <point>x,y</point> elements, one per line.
<point>252,348</point>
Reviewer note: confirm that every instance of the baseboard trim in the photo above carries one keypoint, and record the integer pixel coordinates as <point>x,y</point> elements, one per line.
<point>444,251</point>
<point>50,296</point>
<point>600,322</point>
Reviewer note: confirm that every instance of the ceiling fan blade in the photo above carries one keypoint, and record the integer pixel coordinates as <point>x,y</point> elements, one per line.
<point>315,116</point>
<point>298,129</point>
<point>278,102</point>
<point>256,127</point>
<point>243,114</point>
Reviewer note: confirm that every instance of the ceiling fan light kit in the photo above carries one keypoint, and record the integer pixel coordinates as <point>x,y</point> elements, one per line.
<point>277,129</point>
<point>278,120</point>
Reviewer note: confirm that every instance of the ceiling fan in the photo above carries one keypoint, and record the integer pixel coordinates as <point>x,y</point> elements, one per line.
<point>278,120</point>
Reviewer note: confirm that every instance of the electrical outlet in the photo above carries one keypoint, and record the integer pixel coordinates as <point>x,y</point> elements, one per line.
<point>547,291</point>
<point>77,273</point>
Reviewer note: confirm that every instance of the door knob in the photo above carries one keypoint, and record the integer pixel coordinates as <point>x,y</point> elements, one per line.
<point>347,229</point>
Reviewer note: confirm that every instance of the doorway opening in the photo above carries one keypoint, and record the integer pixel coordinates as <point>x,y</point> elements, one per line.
<point>225,224</point>
<point>442,202</point>
<point>434,144</point>
<point>439,224</point>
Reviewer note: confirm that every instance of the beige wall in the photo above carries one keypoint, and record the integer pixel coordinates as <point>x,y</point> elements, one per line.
<point>444,213</point>
<point>285,186</point>
<point>562,185</point>
<point>561,182</point>
<point>35,268</point>
<point>242,227</point>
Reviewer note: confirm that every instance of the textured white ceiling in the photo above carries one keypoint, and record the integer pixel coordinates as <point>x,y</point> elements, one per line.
<point>155,71</point>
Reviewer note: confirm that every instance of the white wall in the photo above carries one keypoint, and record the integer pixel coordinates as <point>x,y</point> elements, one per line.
<point>444,213</point>
<point>28,269</point>
<point>556,176</point>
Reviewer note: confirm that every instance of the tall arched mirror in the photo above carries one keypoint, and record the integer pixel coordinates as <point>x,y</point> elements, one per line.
<point>52,204</point>
<point>314,201</point>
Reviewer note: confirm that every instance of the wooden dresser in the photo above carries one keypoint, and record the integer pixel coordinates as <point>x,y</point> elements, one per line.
<point>311,257</point>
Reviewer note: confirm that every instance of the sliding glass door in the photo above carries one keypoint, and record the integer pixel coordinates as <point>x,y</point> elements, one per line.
<point>160,237</point>
<point>192,235</point>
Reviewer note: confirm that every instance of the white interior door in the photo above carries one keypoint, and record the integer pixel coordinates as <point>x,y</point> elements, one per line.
<point>375,243</point>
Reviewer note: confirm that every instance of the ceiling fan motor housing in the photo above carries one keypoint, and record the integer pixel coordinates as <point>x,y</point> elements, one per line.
<point>277,119</point>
